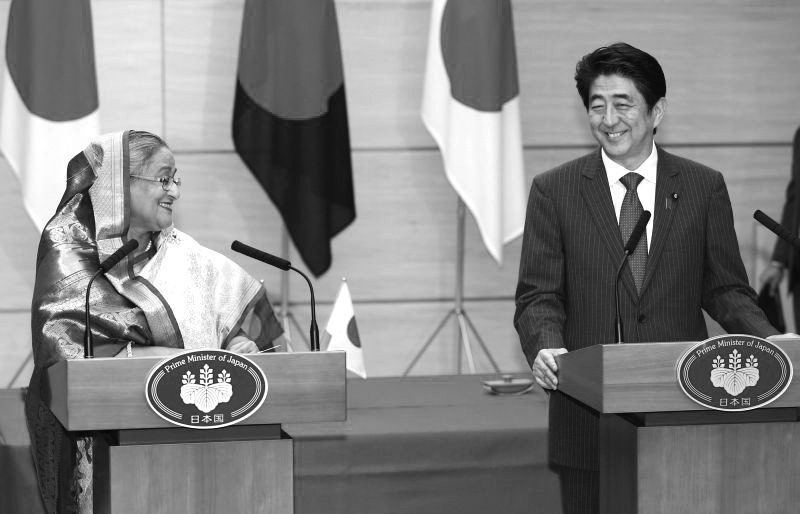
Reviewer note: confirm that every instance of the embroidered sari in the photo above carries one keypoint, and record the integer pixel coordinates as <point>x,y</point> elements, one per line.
<point>177,294</point>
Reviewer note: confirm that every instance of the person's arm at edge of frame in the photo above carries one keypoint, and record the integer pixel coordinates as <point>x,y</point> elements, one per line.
<point>789,219</point>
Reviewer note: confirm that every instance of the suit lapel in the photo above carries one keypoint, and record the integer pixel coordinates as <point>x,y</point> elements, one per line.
<point>669,186</point>
<point>597,198</point>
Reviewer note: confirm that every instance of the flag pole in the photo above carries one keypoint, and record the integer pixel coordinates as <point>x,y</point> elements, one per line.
<point>464,324</point>
<point>287,317</point>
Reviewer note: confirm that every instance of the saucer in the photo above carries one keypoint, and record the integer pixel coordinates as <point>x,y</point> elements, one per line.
<point>508,385</point>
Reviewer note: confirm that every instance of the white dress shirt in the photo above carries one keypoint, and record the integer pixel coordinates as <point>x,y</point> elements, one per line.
<point>646,189</point>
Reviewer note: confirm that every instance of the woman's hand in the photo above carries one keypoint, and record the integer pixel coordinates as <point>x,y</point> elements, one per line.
<point>241,344</point>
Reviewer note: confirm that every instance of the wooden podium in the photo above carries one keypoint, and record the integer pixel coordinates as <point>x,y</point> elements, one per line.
<point>145,464</point>
<point>660,452</point>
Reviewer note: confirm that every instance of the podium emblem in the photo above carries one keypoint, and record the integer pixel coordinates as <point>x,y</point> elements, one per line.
<point>734,372</point>
<point>206,389</point>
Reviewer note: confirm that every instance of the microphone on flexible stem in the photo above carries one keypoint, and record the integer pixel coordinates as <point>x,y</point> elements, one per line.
<point>113,259</point>
<point>630,246</point>
<point>285,265</point>
<point>777,228</point>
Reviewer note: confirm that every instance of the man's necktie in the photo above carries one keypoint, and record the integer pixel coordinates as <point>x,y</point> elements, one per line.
<point>629,214</point>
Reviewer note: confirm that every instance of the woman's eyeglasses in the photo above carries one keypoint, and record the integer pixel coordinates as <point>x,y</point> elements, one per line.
<point>166,182</point>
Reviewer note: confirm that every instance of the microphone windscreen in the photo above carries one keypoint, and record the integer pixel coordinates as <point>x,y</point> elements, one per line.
<point>636,234</point>
<point>120,254</point>
<point>259,255</point>
<point>768,222</point>
<point>776,228</point>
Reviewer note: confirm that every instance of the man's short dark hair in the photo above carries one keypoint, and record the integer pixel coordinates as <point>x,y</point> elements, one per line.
<point>626,61</point>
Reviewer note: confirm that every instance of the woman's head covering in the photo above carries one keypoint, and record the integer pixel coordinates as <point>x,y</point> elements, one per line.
<point>90,223</point>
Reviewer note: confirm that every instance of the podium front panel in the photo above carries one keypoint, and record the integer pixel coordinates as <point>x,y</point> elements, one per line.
<point>109,393</point>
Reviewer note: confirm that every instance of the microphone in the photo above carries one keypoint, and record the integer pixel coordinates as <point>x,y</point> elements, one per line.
<point>777,228</point>
<point>113,259</point>
<point>258,255</point>
<point>630,246</point>
<point>285,265</point>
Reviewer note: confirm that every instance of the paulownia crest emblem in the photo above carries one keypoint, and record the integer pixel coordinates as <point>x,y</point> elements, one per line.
<point>207,394</point>
<point>734,378</point>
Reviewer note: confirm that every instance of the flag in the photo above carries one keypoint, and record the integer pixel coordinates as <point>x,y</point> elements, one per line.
<point>49,104</point>
<point>341,333</point>
<point>470,106</point>
<point>290,119</point>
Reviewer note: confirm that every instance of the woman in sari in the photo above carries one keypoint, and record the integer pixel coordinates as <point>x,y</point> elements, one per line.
<point>171,294</point>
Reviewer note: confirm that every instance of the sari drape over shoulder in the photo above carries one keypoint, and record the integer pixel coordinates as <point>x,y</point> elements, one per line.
<point>177,294</point>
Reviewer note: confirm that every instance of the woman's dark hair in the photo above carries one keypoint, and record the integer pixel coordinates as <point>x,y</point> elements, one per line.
<point>626,61</point>
<point>141,146</point>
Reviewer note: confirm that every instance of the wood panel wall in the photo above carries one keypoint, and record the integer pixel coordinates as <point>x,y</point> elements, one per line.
<point>733,73</point>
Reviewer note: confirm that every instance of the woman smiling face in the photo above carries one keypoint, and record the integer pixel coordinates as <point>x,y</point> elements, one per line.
<point>151,205</point>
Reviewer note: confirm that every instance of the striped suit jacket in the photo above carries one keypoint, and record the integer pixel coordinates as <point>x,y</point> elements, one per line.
<point>572,248</point>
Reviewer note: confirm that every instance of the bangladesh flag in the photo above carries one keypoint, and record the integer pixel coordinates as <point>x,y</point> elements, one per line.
<point>290,120</point>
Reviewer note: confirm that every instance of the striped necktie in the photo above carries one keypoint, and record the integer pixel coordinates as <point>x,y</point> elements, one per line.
<point>628,216</point>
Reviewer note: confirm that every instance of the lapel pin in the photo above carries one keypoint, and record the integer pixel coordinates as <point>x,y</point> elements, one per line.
<point>667,203</point>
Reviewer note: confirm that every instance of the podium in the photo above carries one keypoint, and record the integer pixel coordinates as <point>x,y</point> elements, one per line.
<point>143,463</point>
<point>660,452</point>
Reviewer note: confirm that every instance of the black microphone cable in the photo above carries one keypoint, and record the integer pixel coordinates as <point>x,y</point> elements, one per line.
<point>113,259</point>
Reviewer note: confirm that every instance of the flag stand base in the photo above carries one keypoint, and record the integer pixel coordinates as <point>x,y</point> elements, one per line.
<point>462,320</point>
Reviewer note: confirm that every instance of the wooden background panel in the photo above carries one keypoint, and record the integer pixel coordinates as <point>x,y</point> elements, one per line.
<point>728,55</point>
<point>384,47</point>
<point>128,56</point>
<point>201,48</point>
<point>15,325</point>
<point>724,62</point>
<point>20,241</point>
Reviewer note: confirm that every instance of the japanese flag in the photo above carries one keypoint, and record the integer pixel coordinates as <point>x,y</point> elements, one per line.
<point>341,333</point>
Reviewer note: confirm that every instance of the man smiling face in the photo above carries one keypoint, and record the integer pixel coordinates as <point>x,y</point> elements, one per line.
<point>621,121</point>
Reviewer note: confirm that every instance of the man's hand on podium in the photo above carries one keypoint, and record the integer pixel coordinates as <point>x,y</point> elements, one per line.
<point>545,369</point>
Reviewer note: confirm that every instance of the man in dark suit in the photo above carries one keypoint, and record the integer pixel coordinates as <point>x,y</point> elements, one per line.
<point>784,256</point>
<point>578,219</point>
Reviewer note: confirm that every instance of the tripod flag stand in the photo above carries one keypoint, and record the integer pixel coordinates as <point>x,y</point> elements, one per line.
<point>464,324</point>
